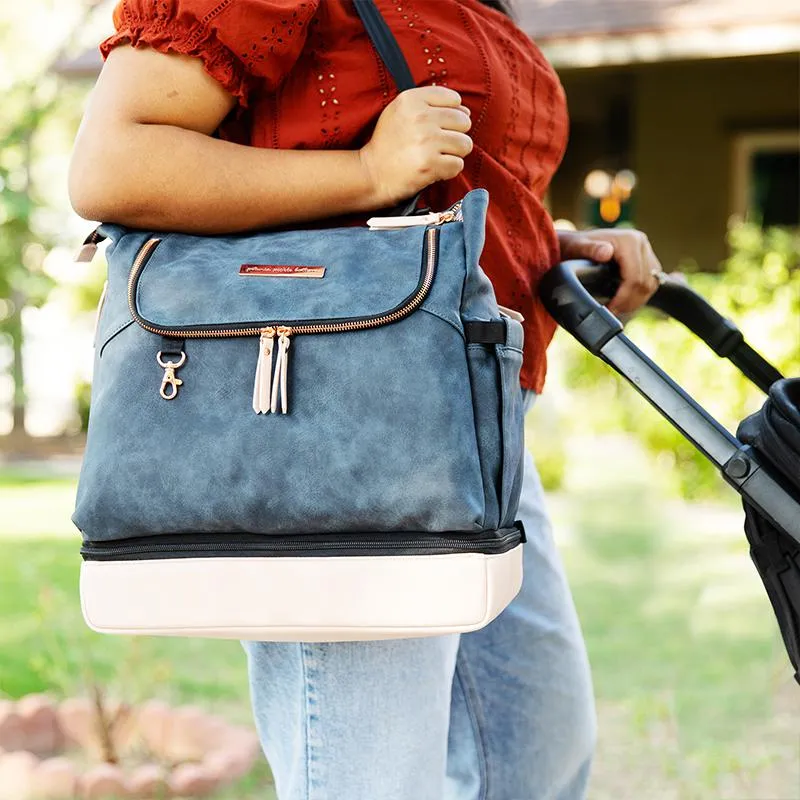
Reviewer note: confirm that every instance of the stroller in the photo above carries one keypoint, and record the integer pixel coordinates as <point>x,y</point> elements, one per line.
<point>762,463</point>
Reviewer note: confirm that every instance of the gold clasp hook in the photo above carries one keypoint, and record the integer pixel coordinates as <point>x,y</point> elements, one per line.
<point>169,379</point>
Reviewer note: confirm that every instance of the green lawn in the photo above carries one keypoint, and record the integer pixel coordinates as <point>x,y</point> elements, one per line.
<point>694,689</point>
<point>694,693</point>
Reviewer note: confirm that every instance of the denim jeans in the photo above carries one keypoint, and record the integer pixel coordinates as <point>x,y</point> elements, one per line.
<point>503,713</point>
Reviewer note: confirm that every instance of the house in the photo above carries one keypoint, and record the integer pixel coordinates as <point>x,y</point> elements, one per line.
<point>683,112</point>
<point>695,102</point>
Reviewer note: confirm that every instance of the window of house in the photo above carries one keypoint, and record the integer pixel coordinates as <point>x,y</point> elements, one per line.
<point>766,177</point>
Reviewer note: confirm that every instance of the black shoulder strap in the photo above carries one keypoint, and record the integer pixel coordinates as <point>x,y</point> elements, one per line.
<point>392,56</point>
<point>384,42</point>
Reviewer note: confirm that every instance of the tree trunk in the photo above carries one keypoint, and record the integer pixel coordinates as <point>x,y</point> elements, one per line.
<point>14,326</point>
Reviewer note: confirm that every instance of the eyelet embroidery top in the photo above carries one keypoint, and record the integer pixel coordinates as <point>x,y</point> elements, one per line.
<point>305,75</point>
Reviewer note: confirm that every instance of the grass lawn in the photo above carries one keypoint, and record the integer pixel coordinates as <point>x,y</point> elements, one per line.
<point>694,693</point>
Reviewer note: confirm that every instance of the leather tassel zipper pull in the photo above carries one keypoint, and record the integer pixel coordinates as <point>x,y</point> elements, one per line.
<point>263,381</point>
<point>281,365</point>
<point>89,246</point>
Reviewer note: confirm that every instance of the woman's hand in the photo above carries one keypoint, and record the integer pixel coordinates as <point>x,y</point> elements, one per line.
<point>638,265</point>
<point>420,137</point>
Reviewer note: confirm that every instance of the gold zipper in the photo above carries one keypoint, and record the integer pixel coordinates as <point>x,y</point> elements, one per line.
<point>331,327</point>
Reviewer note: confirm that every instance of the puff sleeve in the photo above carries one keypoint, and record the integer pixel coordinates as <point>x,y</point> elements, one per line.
<point>243,44</point>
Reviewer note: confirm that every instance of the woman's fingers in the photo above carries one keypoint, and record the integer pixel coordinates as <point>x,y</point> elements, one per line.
<point>438,96</point>
<point>455,143</point>
<point>451,119</point>
<point>638,267</point>
<point>448,167</point>
<point>638,263</point>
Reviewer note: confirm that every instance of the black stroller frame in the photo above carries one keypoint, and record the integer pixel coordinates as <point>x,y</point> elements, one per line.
<point>568,291</point>
<point>771,496</point>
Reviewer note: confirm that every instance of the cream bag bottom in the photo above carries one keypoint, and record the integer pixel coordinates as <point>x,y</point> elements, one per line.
<point>300,599</point>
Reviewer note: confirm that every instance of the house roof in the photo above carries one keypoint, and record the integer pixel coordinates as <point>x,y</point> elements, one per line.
<point>548,19</point>
<point>590,33</point>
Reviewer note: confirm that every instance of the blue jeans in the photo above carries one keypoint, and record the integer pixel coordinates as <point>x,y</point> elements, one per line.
<point>503,713</point>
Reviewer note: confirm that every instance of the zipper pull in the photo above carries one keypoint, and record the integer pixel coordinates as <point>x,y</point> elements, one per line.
<point>281,364</point>
<point>89,247</point>
<point>509,312</point>
<point>263,380</point>
<point>389,223</point>
<point>453,214</point>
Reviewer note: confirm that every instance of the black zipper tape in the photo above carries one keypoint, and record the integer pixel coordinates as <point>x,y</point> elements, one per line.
<point>206,545</point>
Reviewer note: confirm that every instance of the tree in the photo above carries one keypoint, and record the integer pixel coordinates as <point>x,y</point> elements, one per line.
<point>27,107</point>
<point>22,281</point>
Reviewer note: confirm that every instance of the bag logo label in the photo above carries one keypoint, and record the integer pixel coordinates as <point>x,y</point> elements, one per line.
<point>282,270</point>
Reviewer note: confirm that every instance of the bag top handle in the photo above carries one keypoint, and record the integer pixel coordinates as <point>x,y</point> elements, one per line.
<point>384,42</point>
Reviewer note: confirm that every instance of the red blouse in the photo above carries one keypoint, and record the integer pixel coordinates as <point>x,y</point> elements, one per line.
<point>305,76</point>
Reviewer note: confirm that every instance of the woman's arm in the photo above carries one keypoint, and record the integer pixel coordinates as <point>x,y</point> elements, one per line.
<point>145,157</point>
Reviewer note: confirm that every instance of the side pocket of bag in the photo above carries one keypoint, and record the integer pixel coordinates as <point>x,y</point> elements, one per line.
<point>484,375</point>
<point>497,407</point>
<point>513,427</point>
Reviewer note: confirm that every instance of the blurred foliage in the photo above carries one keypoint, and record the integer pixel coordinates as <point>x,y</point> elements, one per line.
<point>39,118</point>
<point>548,452</point>
<point>83,396</point>
<point>85,296</point>
<point>759,289</point>
<point>22,248</point>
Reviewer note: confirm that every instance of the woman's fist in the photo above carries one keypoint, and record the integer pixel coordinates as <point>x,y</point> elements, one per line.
<point>420,137</point>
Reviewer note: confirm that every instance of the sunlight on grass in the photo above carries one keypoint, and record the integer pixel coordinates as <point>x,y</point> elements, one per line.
<point>31,507</point>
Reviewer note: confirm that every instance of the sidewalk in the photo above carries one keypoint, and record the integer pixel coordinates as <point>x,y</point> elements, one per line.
<point>42,457</point>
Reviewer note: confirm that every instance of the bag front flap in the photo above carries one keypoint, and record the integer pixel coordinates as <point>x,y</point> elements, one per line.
<point>287,277</point>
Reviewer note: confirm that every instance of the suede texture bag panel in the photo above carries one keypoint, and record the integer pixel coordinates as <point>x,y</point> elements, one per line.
<point>402,427</point>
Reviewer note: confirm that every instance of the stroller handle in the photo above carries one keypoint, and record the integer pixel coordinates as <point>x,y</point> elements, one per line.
<point>583,281</point>
<point>566,292</point>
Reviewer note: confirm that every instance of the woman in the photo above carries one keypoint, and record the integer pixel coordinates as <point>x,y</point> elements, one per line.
<point>310,127</point>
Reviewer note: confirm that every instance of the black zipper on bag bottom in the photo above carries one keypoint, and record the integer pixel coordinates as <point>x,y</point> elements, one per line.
<point>207,545</point>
